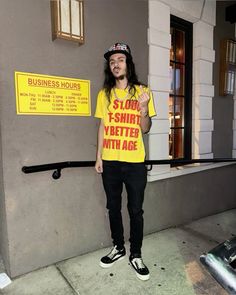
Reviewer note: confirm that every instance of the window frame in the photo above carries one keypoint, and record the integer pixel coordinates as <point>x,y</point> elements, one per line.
<point>187,28</point>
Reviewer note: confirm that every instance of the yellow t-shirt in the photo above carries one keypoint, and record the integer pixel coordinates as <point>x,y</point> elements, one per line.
<point>123,139</point>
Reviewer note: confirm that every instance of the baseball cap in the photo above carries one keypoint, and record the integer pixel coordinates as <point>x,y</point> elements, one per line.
<point>118,48</point>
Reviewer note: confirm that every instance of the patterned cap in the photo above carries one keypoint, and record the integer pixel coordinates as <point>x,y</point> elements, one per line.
<point>118,48</point>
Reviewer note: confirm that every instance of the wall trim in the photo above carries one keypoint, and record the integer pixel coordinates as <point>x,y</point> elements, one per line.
<point>185,170</point>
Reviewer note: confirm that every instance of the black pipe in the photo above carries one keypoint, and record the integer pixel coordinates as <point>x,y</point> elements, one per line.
<point>185,162</point>
<point>72,164</point>
<point>57,167</point>
<point>60,165</point>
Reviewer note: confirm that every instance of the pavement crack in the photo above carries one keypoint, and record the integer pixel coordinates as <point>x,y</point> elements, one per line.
<point>75,292</point>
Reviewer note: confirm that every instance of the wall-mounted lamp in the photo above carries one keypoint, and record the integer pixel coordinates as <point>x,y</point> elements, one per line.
<point>227,67</point>
<point>68,20</point>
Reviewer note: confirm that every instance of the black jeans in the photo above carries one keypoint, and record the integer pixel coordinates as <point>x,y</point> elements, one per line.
<point>134,176</point>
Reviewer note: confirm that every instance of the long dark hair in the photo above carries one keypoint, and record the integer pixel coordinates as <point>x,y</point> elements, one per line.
<point>110,81</point>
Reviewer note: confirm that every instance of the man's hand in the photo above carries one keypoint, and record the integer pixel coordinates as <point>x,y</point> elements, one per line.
<point>98,166</point>
<point>143,99</point>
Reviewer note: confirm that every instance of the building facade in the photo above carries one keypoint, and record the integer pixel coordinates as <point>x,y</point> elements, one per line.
<point>43,220</point>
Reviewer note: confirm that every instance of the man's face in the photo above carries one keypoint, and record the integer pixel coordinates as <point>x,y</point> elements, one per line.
<point>117,63</point>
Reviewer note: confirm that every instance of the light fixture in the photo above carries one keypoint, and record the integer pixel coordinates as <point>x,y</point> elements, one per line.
<point>68,20</point>
<point>227,67</point>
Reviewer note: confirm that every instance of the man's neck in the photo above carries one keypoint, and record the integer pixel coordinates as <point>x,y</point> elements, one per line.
<point>121,83</point>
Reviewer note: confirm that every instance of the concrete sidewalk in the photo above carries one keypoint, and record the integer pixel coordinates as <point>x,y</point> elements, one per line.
<point>172,256</point>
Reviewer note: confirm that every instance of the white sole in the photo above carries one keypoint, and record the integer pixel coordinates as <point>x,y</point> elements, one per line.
<point>143,278</point>
<point>106,265</point>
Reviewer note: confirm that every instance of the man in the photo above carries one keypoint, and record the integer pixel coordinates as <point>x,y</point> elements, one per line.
<point>125,107</point>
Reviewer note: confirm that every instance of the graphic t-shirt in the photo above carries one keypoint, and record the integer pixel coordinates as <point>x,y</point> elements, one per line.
<point>123,139</point>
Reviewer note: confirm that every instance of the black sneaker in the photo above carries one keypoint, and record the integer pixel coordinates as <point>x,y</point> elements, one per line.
<point>113,256</point>
<point>140,268</point>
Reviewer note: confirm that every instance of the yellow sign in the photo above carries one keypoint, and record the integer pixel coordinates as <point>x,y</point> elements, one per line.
<point>50,95</point>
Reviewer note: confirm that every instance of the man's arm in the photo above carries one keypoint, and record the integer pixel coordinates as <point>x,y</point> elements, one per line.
<point>145,121</point>
<point>98,165</point>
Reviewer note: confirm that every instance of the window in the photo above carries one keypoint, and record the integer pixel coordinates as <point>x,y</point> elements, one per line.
<point>180,98</point>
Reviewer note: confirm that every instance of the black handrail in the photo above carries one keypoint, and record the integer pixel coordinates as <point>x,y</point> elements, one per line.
<point>73,164</point>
